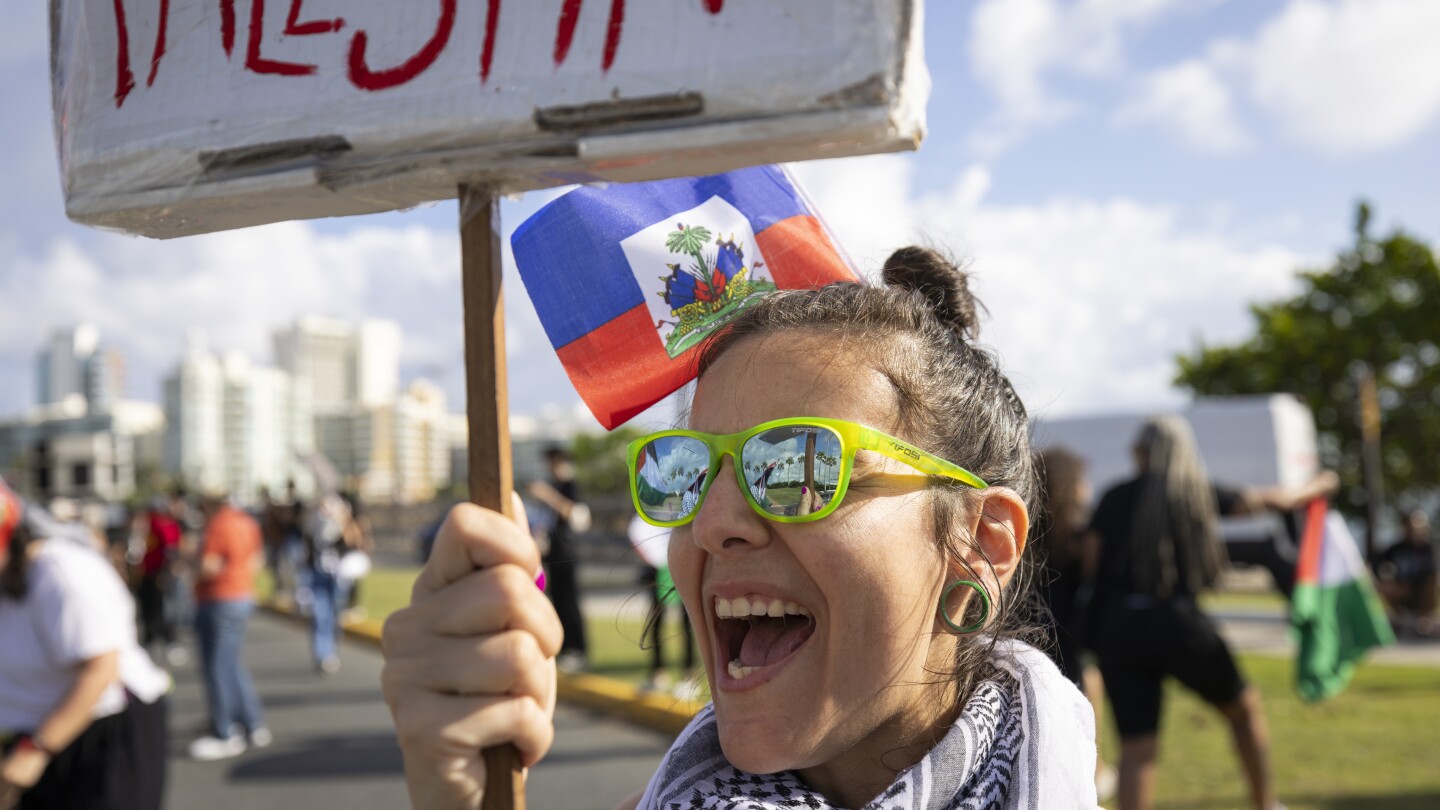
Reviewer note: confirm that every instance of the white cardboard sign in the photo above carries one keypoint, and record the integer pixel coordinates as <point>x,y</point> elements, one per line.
<point>176,117</point>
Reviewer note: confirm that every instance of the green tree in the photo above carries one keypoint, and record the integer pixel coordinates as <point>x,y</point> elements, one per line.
<point>600,461</point>
<point>1376,304</point>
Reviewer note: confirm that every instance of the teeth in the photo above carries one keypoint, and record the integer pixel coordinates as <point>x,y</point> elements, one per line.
<point>742,607</point>
<point>737,671</point>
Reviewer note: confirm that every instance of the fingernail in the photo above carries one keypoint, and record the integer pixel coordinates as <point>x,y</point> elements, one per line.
<point>804,490</point>
<point>540,579</point>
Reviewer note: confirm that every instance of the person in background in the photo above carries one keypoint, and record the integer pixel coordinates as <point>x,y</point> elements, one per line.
<point>1058,549</point>
<point>562,561</point>
<point>230,557</point>
<point>287,521</point>
<point>651,543</point>
<point>271,534</point>
<point>330,533</point>
<point>1405,575</point>
<point>365,539</point>
<point>157,564</point>
<point>1154,547</point>
<point>82,707</point>
<point>180,585</point>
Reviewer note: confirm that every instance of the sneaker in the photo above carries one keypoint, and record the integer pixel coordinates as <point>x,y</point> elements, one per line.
<point>688,689</point>
<point>1107,781</point>
<point>176,655</point>
<point>658,682</point>
<point>571,661</point>
<point>209,749</point>
<point>261,737</point>
<point>329,665</point>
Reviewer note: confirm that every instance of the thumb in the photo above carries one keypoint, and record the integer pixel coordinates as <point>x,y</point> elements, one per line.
<point>517,511</point>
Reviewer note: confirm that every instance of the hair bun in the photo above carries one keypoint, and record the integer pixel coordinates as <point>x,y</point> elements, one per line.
<point>943,285</point>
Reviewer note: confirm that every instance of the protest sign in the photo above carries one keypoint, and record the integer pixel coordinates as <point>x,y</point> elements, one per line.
<point>178,117</point>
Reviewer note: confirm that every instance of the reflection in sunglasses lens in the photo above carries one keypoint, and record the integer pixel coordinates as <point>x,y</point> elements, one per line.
<point>670,475</point>
<point>792,470</point>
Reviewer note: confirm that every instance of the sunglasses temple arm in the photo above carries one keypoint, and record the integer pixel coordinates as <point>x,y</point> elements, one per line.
<point>921,460</point>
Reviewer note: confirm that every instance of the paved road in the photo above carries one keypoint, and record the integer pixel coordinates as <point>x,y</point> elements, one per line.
<point>334,746</point>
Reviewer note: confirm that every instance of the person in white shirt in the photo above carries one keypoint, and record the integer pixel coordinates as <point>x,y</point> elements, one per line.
<point>82,707</point>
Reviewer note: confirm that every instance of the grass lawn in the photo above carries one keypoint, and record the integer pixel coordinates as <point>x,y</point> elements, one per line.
<point>1377,745</point>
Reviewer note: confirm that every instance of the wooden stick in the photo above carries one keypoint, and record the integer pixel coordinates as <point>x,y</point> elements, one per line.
<point>487,405</point>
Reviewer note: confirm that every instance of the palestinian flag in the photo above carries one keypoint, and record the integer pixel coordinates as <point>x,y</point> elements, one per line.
<point>1335,611</point>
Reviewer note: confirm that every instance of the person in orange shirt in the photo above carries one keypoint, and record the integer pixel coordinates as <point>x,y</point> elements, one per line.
<point>230,556</point>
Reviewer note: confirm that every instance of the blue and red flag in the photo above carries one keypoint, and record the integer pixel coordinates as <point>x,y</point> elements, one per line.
<point>629,278</point>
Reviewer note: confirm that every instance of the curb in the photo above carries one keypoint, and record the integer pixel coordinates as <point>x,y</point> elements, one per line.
<point>653,710</point>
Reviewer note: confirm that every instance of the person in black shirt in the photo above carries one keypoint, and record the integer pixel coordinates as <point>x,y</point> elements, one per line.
<point>1405,574</point>
<point>1154,547</point>
<point>562,560</point>
<point>1056,549</point>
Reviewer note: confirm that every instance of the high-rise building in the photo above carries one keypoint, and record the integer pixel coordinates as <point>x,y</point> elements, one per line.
<point>234,426</point>
<point>397,452</point>
<point>73,363</point>
<point>377,362</point>
<point>67,450</point>
<point>81,440</point>
<point>341,365</point>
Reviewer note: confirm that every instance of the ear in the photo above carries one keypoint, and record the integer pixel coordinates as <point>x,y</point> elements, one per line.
<point>999,527</point>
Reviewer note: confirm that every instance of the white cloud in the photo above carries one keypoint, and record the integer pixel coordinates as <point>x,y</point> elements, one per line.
<point>1191,99</point>
<point>1352,76</point>
<point>1089,299</point>
<point>238,286</point>
<point>1016,44</point>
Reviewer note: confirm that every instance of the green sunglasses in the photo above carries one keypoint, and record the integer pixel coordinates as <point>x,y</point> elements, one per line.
<point>791,470</point>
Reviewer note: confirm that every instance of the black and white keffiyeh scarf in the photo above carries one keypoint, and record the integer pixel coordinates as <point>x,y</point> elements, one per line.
<point>1025,740</point>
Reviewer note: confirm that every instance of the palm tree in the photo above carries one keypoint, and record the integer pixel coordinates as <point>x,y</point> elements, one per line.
<point>690,242</point>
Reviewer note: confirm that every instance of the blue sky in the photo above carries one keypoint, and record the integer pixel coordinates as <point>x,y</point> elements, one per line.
<point>1124,178</point>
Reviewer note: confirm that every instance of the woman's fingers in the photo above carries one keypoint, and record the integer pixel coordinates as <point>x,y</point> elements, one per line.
<point>509,663</point>
<point>475,538</point>
<point>489,601</point>
<point>444,728</point>
<point>441,737</point>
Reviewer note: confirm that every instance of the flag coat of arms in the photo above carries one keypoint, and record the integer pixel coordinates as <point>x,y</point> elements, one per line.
<point>628,279</point>
<point>1335,611</point>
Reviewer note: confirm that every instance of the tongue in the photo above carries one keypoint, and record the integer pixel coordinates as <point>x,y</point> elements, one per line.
<point>770,640</point>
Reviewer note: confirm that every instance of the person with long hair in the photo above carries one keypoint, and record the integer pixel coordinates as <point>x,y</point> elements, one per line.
<point>1155,548</point>
<point>865,648</point>
<point>82,707</point>
<point>1058,554</point>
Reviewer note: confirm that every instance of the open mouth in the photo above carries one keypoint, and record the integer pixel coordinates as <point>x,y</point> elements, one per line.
<point>757,632</point>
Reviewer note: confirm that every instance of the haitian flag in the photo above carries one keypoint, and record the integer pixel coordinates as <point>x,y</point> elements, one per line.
<point>629,278</point>
<point>1335,611</point>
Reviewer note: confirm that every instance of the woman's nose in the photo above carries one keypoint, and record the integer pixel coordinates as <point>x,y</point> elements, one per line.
<point>726,523</point>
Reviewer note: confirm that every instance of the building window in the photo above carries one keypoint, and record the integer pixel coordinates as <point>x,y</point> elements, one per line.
<point>80,475</point>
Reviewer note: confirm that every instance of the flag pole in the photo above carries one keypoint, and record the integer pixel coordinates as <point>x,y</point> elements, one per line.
<point>487,408</point>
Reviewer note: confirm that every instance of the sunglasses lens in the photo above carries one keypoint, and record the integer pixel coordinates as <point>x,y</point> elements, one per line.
<point>792,470</point>
<point>670,474</point>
